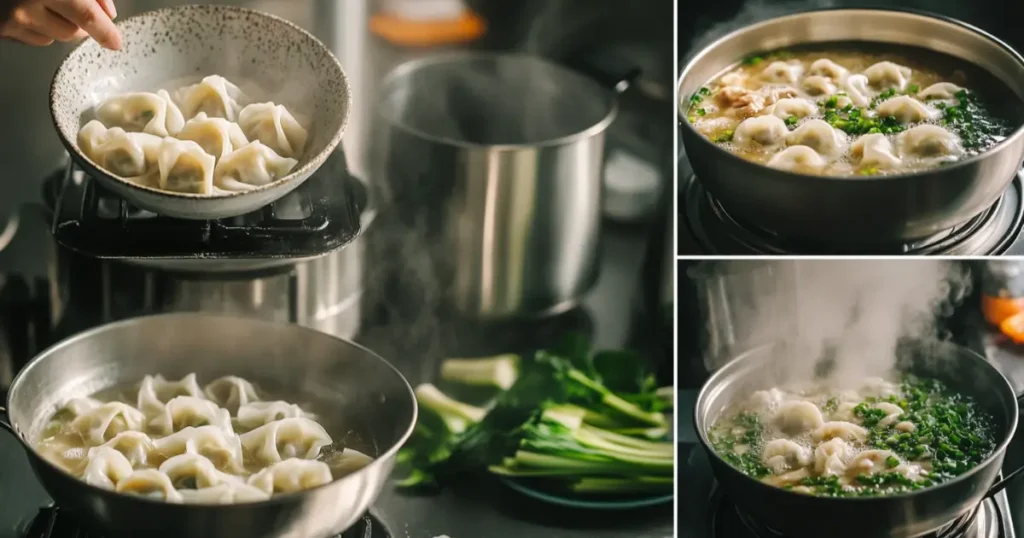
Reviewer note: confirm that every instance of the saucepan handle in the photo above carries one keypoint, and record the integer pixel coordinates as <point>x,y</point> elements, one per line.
<point>1001,484</point>
<point>609,69</point>
<point>5,421</point>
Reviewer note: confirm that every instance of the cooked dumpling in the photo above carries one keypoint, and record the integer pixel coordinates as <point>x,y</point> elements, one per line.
<point>119,152</point>
<point>192,471</point>
<point>764,400</point>
<point>134,446</point>
<point>292,475</point>
<point>782,72</point>
<point>827,68</point>
<point>283,439</point>
<point>856,88</point>
<point>217,136</point>
<point>149,483</point>
<point>100,425</point>
<point>256,414</point>
<point>155,392</point>
<point>836,429</point>
<point>79,406</point>
<point>106,468</point>
<point>892,413</point>
<point>800,108</point>
<point>884,75</point>
<point>906,109</point>
<point>766,131</point>
<point>870,462</point>
<point>829,457</point>
<point>927,141</point>
<point>142,112</point>
<point>819,85</point>
<point>874,151</point>
<point>251,166</point>
<point>781,455</point>
<point>226,493</point>
<point>215,444</point>
<point>939,90</point>
<point>797,159</point>
<point>214,96</point>
<point>231,392</point>
<point>185,167</point>
<point>819,136</point>
<point>275,127</point>
<point>795,418</point>
<point>188,411</point>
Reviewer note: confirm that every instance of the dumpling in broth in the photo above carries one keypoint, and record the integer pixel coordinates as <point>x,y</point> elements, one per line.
<point>217,136</point>
<point>886,75</point>
<point>106,421</point>
<point>292,475</point>
<point>231,392</point>
<point>797,159</point>
<point>819,136</point>
<point>106,468</point>
<point>155,391</point>
<point>185,411</point>
<point>764,131</point>
<point>874,150</point>
<point>214,96</point>
<point>256,414</point>
<point>142,112</point>
<point>251,166</point>
<point>221,448</point>
<point>135,446</point>
<point>275,127</point>
<point>121,153</point>
<point>149,483</point>
<point>192,471</point>
<point>906,109</point>
<point>283,439</point>
<point>185,167</point>
<point>928,142</point>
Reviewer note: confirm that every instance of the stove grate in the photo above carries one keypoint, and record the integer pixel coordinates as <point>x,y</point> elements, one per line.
<point>320,216</point>
<point>52,522</point>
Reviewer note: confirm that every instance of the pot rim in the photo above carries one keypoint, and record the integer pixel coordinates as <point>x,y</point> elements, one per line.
<point>909,176</point>
<point>407,68</point>
<point>749,355</point>
<point>380,461</point>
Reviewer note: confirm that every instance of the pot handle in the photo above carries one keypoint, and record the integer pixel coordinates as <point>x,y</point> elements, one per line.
<point>5,422</point>
<point>609,69</point>
<point>1015,474</point>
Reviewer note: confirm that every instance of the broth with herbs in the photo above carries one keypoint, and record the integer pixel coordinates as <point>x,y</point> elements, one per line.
<point>839,112</point>
<point>881,439</point>
<point>225,442</point>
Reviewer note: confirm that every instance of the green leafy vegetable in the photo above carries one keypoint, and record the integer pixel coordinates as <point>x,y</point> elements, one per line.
<point>791,121</point>
<point>968,118</point>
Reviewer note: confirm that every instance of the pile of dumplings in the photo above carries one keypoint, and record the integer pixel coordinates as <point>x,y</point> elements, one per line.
<point>204,140</point>
<point>777,118</point>
<point>182,443</point>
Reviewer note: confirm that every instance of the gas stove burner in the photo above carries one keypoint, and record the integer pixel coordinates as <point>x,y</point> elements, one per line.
<point>51,522</point>
<point>985,521</point>
<point>717,232</point>
<point>320,216</point>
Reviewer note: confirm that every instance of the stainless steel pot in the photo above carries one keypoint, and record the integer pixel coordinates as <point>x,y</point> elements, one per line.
<point>373,409</point>
<point>897,516</point>
<point>496,159</point>
<point>840,212</point>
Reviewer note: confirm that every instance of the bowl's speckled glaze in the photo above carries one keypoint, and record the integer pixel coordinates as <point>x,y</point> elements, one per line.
<point>278,60</point>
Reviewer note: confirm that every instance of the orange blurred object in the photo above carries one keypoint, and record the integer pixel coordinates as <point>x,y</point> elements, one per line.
<point>1013,327</point>
<point>997,309</point>
<point>410,33</point>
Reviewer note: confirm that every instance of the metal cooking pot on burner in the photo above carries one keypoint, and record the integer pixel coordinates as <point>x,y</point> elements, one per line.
<point>855,212</point>
<point>497,160</point>
<point>905,515</point>
<point>373,410</point>
<point>248,47</point>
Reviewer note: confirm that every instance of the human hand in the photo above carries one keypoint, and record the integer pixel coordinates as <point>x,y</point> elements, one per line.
<point>41,22</point>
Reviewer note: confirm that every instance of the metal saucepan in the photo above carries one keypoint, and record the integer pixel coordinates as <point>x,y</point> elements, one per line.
<point>856,212</point>
<point>497,159</point>
<point>284,62</point>
<point>897,516</point>
<point>361,399</point>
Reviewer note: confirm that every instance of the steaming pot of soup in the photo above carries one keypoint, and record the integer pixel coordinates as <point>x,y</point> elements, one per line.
<point>805,124</point>
<point>916,448</point>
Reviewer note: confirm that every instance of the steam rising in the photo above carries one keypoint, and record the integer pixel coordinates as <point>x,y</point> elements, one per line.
<point>853,312</point>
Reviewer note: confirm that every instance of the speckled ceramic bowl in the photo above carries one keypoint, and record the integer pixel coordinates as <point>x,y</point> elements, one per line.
<point>169,48</point>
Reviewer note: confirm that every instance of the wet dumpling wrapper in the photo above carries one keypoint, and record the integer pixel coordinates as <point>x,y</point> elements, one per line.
<point>273,125</point>
<point>212,442</point>
<point>188,411</point>
<point>214,96</point>
<point>185,167</point>
<point>124,154</point>
<point>226,493</point>
<point>155,392</point>
<point>142,112</point>
<point>217,136</point>
<point>292,475</point>
<point>100,425</point>
<point>874,150</point>
<point>251,166</point>
<point>133,445</point>
<point>255,414</point>
<point>231,392</point>
<point>193,471</point>
<point>149,483</point>
<point>283,439</point>
<point>106,468</point>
